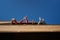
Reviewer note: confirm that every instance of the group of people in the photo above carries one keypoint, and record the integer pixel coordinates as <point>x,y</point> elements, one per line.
<point>25,20</point>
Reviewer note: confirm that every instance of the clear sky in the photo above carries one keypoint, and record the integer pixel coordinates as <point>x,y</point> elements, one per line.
<point>47,9</point>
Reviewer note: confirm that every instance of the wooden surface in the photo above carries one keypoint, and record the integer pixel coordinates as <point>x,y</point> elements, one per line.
<point>29,28</point>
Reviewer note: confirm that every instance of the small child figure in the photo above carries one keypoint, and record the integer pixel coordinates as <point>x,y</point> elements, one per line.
<point>33,21</point>
<point>14,21</point>
<point>41,21</point>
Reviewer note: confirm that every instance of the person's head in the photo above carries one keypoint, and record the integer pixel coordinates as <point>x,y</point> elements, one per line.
<point>13,18</point>
<point>40,18</point>
<point>25,17</point>
<point>43,19</point>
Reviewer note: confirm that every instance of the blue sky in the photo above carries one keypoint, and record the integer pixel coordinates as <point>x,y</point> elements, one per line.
<point>47,9</point>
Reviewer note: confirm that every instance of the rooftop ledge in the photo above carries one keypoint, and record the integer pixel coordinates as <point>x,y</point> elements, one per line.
<point>29,28</point>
